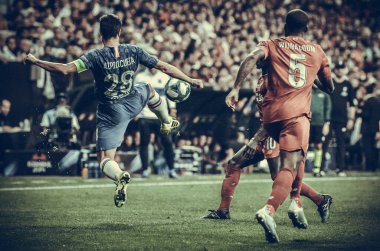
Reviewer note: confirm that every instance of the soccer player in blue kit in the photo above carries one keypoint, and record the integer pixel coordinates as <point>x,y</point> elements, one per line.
<point>119,99</point>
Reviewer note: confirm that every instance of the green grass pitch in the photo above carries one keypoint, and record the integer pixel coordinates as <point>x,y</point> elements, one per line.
<point>66,213</point>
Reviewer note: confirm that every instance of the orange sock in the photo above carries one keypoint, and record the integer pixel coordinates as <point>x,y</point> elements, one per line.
<point>281,188</point>
<point>230,181</point>
<point>310,193</point>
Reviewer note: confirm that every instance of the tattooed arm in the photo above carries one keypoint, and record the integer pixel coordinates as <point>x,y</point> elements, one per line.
<point>247,66</point>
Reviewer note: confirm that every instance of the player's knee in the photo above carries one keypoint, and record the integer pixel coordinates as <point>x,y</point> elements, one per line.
<point>291,170</point>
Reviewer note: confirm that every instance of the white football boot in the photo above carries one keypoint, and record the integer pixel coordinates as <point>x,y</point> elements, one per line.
<point>121,189</point>
<point>268,224</point>
<point>297,215</point>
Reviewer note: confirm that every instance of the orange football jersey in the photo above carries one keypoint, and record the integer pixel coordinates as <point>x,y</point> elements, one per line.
<point>293,64</point>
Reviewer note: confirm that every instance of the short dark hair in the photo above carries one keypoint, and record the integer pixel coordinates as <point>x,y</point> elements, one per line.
<point>296,21</point>
<point>110,26</point>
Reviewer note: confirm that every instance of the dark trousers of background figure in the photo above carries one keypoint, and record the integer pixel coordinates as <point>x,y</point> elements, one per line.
<point>146,127</point>
<point>340,138</point>
<point>371,153</point>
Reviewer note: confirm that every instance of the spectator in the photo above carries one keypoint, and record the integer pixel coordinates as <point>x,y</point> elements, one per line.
<point>207,37</point>
<point>370,127</point>
<point>9,51</point>
<point>342,116</point>
<point>319,126</point>
<point>5,123</point>
<point>8,139</point>
<point>127,144</point>
<point>60,124</point>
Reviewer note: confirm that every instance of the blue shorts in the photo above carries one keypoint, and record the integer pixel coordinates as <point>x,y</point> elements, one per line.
<point>112,119</point>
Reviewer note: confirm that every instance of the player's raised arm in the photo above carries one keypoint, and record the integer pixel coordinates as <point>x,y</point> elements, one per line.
<point>50,66</point>
<point>246,67</point>
<point>177,73</point>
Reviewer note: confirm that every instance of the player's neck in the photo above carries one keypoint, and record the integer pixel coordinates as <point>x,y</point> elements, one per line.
<point>112,42</point>
<point>294,35</point>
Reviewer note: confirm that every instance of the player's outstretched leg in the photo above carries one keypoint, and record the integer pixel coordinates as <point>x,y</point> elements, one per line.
<point>322,201</point>
<point>244,157</point>
<point>230,181</point>
<point>155,104</point>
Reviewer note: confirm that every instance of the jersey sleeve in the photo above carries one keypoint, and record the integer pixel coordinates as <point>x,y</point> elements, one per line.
<point>264,45</point>
<point>80,65</point>
<point>146,59</point>
<point>84,63</point>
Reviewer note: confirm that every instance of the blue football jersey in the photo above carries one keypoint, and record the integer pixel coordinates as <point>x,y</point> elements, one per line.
<point>114,76</point>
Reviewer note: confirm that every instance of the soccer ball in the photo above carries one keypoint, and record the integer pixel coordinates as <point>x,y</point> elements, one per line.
<point>177,90</point>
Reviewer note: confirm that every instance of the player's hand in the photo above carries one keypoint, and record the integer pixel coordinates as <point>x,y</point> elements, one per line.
<point>30,58</point>
<point>196,83</point>
<point>232,99</point>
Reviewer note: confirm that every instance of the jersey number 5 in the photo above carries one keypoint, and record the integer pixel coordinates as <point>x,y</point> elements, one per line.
<point>297,71</point>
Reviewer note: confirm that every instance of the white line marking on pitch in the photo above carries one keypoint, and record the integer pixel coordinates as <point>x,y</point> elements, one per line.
<point>180,183</point>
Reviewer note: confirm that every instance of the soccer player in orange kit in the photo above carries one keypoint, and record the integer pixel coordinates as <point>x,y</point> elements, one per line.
<point>262,147</point>
<point>293,65</point>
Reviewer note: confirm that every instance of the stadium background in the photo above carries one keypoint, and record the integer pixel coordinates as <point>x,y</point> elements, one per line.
<point>207,39</point>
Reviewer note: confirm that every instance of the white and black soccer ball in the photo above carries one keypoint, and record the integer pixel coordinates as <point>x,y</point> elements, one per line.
<point>177,90</point>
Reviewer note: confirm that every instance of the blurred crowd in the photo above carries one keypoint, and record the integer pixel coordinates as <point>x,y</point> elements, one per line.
<point>207,39</point>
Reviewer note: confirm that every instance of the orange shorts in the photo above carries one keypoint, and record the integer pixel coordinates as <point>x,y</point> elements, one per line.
<point>270,148</point>
<point>292,134</point>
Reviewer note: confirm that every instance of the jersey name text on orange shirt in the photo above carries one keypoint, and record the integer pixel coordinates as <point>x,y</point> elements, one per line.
<point>291,46</point>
